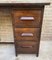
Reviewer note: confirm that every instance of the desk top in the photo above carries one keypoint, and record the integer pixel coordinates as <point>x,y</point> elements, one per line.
<point>23,4</point>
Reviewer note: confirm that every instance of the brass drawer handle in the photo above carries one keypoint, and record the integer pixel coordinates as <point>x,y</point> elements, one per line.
<point>27,34</point>
<point>27,18</point>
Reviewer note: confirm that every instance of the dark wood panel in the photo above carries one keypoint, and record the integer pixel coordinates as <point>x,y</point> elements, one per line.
<point>24,5</point>
<point>33,33</point>
<point>36,14</point>
<point>27,47</point>
<point>27,44</point>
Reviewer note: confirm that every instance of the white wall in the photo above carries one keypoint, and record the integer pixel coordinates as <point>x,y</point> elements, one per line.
<point>23,1</point>
<point>47,23</point>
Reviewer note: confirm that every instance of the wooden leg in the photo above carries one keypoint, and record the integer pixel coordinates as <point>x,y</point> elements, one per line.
<point>37,55</point>
<point>15,51</point>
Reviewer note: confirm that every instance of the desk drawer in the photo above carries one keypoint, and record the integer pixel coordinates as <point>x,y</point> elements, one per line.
<point>27,33</point>
<point>27,47</point>
<point>27,18</point>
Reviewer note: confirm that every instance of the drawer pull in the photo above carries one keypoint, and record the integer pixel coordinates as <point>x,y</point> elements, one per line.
<point>26,46</point>
<point>26,34</point>
<point>27,18</point>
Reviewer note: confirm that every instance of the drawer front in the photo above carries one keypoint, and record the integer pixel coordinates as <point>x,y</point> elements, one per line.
<point>27,34</point>
<point>27,47</point>
<point>27,18</point>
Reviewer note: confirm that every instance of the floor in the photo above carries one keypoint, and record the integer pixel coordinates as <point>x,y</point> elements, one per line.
<point>7,52</point>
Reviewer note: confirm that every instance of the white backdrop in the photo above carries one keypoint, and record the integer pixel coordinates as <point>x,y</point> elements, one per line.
<point>23,1</point>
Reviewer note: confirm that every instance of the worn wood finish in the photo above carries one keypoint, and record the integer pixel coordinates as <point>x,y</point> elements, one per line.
<point>42,12</point>
<point>27,27</point>
<point>20,31</point>
<point>23,5</point>
<point>27,47</point>
<point>27,44</point>
<point>34,29</point>
<point>36,14</point>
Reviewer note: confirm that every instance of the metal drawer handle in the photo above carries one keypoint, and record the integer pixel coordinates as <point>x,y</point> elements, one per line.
<point>26,34</point>
<point>26,46</point>
<point>27,18</point>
